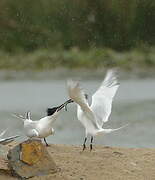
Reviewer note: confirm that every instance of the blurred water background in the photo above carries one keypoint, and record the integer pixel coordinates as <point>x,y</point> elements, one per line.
<point>134,104</point>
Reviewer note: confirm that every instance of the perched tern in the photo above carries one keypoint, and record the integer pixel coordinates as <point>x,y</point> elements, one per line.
<point>8,139</point>
<point>42,127</point>
<point>94,116</point>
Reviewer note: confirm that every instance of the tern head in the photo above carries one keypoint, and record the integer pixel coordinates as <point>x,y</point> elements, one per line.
<point>55,110</point>
<point>51,111</point>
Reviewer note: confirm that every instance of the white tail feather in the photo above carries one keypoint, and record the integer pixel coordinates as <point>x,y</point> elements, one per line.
<point>106,131</point>
<point>19,116</point>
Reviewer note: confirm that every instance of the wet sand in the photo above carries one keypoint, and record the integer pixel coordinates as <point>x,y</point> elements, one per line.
<point>108,163</point>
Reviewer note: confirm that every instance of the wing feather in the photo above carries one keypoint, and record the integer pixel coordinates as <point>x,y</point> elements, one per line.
<point>102,98</point>
<point>76,93</point>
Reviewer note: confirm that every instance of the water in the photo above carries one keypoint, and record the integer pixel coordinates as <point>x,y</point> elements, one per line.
<point>133,104</point>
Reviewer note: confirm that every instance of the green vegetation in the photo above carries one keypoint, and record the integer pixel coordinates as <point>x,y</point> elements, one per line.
<point>45,34</point>
<point>75,58</point>
<point>118,24</point>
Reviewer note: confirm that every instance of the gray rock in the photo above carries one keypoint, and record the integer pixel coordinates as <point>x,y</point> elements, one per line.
<point>30,159</point>
<point>4,151</point>
<point>3,159</point>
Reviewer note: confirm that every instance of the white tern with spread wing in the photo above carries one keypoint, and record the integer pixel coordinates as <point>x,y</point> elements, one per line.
<point>94,116</point>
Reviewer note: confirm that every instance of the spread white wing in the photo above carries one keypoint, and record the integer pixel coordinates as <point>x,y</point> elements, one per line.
<point>102,98</point>
<point>77,94</point>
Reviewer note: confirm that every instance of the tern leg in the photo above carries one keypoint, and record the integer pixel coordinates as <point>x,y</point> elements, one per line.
<point>46,142</point>
<point>91,143</point>
<point>84,144</point>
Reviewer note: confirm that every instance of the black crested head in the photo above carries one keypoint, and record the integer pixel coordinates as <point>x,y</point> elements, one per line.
<point>51,111</point>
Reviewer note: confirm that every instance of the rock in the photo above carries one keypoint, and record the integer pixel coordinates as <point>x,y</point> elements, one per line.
<point>4,151</point>
<point>3,159</point>
<point>31,152</point>
<point>29,159</point>
<point>4,166</point>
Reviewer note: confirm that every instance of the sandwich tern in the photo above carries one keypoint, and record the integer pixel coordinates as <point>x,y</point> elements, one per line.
<point>43,127</point>
<point>8,139</point>
<point>95,115</point>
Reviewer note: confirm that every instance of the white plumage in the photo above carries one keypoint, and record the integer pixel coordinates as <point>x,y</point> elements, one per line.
<point>43,127</point>
<point>8,139</point>
<point>93,117</point>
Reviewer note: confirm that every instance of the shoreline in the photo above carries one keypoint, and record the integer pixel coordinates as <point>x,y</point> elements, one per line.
<point>103,162</point>
<point>64,73</point>
<point>76,59</point>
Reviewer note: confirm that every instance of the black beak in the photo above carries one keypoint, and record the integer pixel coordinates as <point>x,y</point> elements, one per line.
<point>65,105</point>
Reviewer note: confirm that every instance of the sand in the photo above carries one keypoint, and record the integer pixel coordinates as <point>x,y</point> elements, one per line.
<point>103,163</point>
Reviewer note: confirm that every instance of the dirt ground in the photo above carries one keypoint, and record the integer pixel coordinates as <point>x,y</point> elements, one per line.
<point>103,163</point>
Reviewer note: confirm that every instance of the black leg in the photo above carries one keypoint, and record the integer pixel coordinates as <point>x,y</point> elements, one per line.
<point>84,144</point>
<point>46,142</point>
<point>91,143</point>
